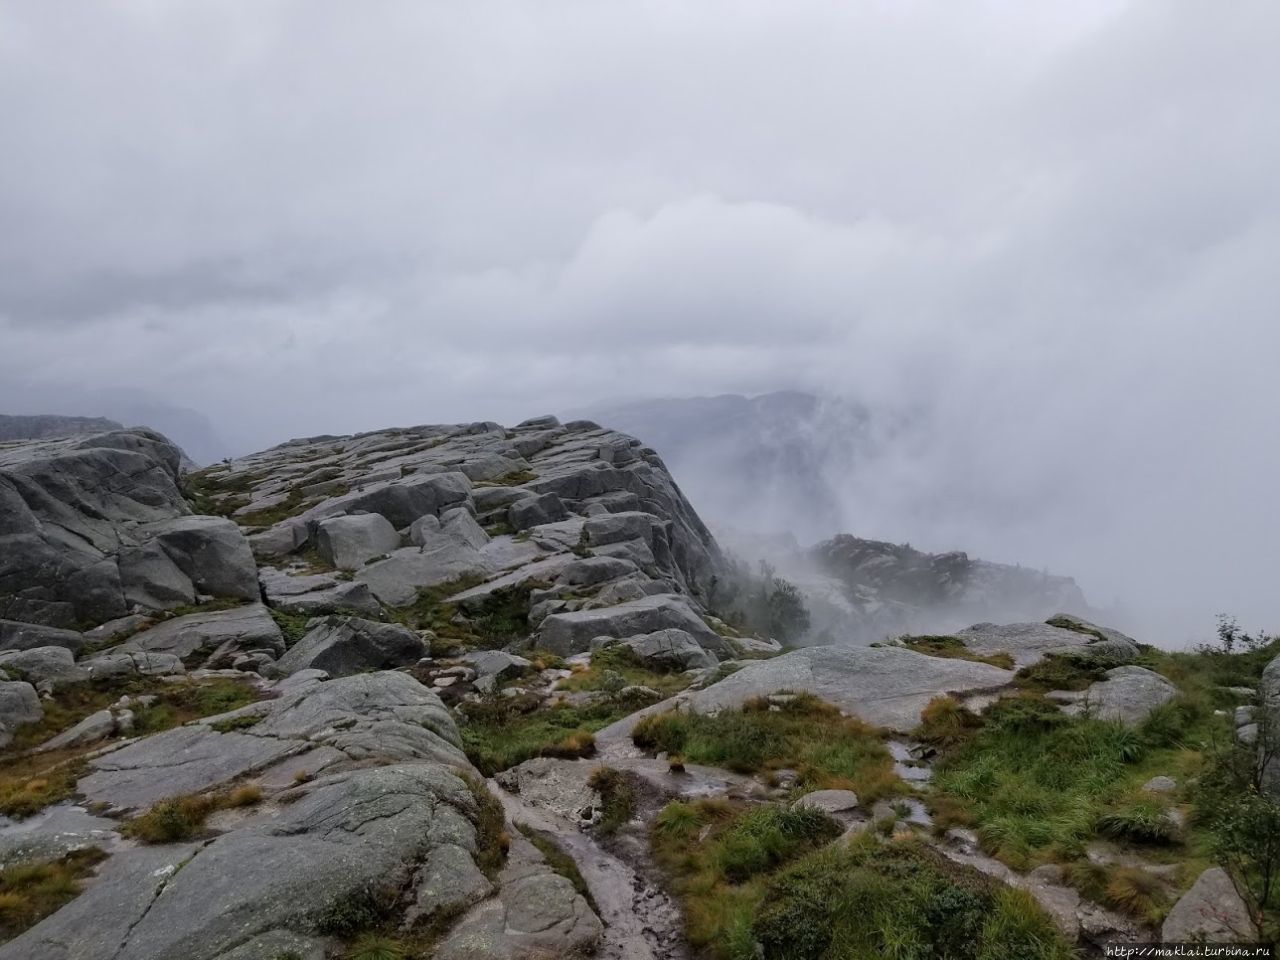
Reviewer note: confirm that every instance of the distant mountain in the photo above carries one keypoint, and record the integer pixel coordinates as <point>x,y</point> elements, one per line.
<point>189,429</point>
<point>772,472</point>
<point>50,426</point>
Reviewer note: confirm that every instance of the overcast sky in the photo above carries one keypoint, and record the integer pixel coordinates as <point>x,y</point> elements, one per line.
<point>1050,230</point>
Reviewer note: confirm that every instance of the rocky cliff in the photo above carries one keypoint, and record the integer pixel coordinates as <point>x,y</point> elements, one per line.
<point>49,426</point>
<point>249,713</point>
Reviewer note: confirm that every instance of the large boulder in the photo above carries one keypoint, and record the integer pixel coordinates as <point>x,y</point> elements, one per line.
<point>670,649</point>
<point>1127,695</point>
<point>400,501</point>
<point>344,645</point>
<point>321,856</point>
<point>212,552</point>
<point>19,704</point>
<point>151,580</point>
<point>15,635</point>
<point>1211,911</point>
<point>316,593</point>
<point>569,633</point>
<point>242,628</point>
<point>591,571</point>
<point>349,542</point>
<point>533,511</point>
<point>67,507</point>
<point>131,663</point>
<point>1027,643</point>
<point>48,668</point>
<point>396,580</point>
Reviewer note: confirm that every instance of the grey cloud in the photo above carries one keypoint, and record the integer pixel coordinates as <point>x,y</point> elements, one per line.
<point>1044,237</point>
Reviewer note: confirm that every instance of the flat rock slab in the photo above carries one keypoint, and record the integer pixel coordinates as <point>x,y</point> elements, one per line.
<point>247,627</point>
<point>884,686</point>
<point>1211,911</point>
<point>1027,643</point>
<point>569,633</point>
<point>396,580</point>
<point>184,760</point>
<point>384,716</point>
<point>342,835</point>
<point>54,832</point>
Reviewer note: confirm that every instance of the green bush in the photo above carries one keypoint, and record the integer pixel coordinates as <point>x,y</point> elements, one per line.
<point>770,835</point>
<point>871,899</point>
<point>1140,820</point>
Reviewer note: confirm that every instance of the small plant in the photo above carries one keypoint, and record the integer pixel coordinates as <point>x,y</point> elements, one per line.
<point>617,798</point>
<point>1140,820</point>
<point>29,892</point>
<point>492,840</point>
<point>372,946</point>
<point>172,821</point>
<point>245,796</point>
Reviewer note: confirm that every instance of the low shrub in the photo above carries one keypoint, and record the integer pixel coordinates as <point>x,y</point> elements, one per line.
<point>767,836</point>
<point>29,892</point>
<point>1139,820</point>
<point>617,798</point>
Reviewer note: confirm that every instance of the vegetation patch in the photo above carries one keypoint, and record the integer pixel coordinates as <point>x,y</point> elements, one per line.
<point>616,666</point>
<point>496,621</point>
<point>828,750</point>
<point>492,841</point>
<point>953,648</point>
<point>30,781</point>
<point>183,818</point>
<point>1063,672</point>
<point>617,798</point>
<point>1039,785</point>
<point>872,898</point>
<point>29,892</point>
<point>293,626</point>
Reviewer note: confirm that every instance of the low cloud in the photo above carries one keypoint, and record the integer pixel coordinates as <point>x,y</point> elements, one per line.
<point>1045,239</point>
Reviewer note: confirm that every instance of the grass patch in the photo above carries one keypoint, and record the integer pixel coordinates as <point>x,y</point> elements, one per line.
<point>293,626</point>
<point>615,661</point>
<point>500,732</point>
<point>29,892</point>
<point>500,619</point>
<point>828,750</point>
<point>1061,672</point>
<point>183,818</point>
<point>617,798</point>
<point>1039,785</point>
<point>492,841</point>
<point>953,648</point>
<point>872,898</point>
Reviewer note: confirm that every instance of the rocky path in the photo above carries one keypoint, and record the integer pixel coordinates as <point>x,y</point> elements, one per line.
<point>641,921</point>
